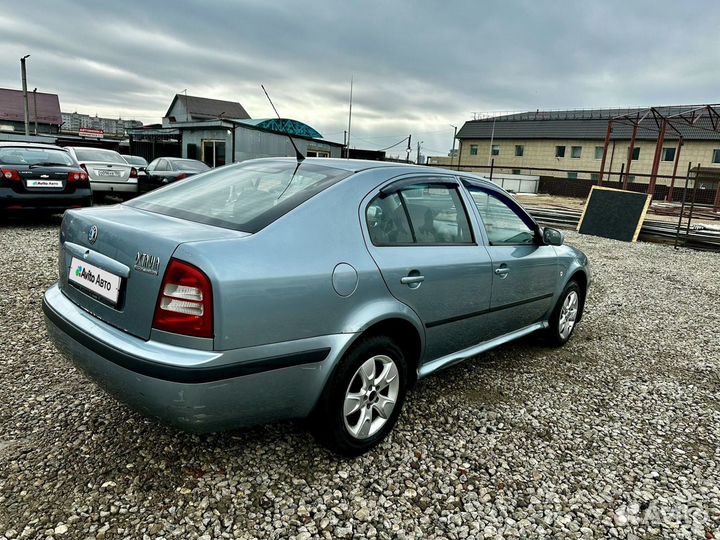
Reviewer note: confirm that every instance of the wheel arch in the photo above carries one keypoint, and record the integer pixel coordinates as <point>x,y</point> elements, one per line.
<point>405,334</point>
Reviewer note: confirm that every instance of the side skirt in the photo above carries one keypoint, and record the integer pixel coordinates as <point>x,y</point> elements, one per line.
<point>451,359</point>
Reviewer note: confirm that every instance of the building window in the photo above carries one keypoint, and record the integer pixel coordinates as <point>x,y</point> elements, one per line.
<point>559,151</point>
<point>516,171</point>
<point>599,150</point>
<point>317,153</point>
<point>213,153</point>
<point>636,153</point>
<point>473,149</point>
<point>631,179</point>
<point>595,177</point>
<point>572,175</point>
<point>495,151</point>
<point>668,154</point>
<point>716,155</point>
<point>519,150</point>
<point>576,152</point>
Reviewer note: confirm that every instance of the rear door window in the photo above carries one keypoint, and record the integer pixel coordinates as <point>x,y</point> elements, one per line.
<point>388,222</point>
<point>420,214</point>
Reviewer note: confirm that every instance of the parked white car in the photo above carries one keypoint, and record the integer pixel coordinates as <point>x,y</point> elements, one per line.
<point>109,173</point>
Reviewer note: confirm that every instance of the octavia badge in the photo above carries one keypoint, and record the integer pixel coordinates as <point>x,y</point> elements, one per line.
<point>93,234</point>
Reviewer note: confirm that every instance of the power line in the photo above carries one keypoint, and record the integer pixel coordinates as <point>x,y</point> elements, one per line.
<point>392,146</point>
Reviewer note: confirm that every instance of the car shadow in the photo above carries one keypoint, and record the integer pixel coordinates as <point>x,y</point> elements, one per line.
<point>30,219</point>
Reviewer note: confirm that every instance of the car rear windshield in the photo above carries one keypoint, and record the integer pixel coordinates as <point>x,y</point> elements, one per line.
<point>244,197</point>
<point>136,160</point>
<point>190,165</point>
<point>96,154</point>
<point>27,155</point>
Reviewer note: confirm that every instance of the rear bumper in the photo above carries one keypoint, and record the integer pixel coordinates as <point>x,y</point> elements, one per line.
<point>11,200</point>
<point>192,389</point>
<point>99,186</point>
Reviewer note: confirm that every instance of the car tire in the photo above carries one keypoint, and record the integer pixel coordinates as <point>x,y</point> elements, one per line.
<point>566,315</point>
<point>369,384</point>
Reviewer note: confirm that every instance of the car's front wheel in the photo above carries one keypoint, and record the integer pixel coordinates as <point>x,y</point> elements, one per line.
<point>566,315</point>
<point>363,398</point>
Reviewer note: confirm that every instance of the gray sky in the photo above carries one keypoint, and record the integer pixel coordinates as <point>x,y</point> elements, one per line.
<point>418,65</point>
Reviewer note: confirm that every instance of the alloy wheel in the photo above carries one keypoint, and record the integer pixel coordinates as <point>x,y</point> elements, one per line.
<point>568,314</point>
<point>371,396</point>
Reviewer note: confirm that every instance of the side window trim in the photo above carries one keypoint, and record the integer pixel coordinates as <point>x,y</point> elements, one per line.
<point>403,203</point>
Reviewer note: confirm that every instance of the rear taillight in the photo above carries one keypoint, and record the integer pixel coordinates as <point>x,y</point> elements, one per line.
<point>77,177</point>
<point>133,172</point>
<point>12,175</point>
<point>181,176</point>
<point>185,302</point>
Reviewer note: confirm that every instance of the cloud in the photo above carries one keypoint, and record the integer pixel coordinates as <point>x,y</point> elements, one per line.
<point>418,65</point>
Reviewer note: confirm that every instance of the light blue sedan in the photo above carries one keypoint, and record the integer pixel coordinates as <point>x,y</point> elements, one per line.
<point>322,289</point>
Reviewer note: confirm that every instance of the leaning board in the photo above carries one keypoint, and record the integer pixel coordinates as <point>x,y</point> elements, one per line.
<point>614,213</point>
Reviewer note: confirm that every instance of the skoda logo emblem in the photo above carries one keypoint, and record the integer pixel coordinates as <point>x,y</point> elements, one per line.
<point>93,234</point>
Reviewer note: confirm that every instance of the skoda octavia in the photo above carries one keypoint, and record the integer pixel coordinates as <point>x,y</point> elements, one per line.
<point>322,289</point>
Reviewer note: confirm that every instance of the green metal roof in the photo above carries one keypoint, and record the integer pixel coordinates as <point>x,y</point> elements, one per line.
<point>283,125</point>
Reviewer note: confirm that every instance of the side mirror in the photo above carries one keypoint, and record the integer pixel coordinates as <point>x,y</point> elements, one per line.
<point>552,237</point>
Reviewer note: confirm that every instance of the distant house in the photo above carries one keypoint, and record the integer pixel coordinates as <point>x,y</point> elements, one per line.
<point>219,132</point>
<point>197,109</point>
<point>43,109</point>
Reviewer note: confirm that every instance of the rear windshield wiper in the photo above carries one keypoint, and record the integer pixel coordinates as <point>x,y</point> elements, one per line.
<point>49,164</point>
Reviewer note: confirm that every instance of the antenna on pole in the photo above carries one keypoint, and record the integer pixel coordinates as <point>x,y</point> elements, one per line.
<point>298,154</point>
<point>349,119</point>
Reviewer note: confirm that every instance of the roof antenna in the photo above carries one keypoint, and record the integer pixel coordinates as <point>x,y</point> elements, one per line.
<point>298,154</point>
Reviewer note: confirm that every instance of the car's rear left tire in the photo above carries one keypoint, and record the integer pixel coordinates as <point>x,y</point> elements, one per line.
<point>363,397</point>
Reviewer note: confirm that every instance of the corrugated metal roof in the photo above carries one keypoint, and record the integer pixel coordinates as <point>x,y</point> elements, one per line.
<point>12,107</point>
<point>284,125</point>
<point>585,124</point>
<point>200,107</point>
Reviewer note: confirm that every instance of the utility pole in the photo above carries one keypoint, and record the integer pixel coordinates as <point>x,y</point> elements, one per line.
<point>25,96</point>
<point>492,140</point>
<point>407,155</point>
<point>349,118</point>
<point>452,152</point>
<point>35,108</point>
<point>417,160</point>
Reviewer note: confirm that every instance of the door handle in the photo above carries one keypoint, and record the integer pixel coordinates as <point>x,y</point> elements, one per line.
<point>503,271</point>
<point>410,280</point>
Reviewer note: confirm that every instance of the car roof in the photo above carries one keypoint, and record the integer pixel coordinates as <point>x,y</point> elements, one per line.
<point>358,165</point>
<point>30,145</point>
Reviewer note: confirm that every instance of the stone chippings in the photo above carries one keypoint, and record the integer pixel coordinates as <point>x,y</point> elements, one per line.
<point>614,436</point>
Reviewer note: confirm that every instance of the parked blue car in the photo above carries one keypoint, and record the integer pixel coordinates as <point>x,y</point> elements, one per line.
<point>322,289</point>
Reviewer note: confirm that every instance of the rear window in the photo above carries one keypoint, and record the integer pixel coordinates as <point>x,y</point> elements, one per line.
<point>245,197</point>
<point>25,155</point>
<point>190,165</point>
<point>136,160</point>
<point>97,154</point>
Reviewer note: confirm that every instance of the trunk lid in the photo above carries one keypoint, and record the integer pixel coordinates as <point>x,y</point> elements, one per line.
<point>44,179</point>
<point>100,171</point>
<point>130,249</point>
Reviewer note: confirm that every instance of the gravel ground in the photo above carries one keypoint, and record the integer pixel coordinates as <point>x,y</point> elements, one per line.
<point>615,435</point>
